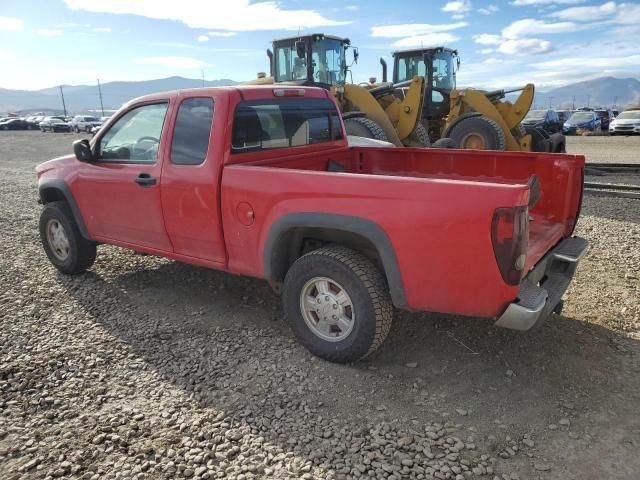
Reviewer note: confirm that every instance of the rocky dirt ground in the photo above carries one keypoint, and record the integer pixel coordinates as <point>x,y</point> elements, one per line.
<point>146,368</point>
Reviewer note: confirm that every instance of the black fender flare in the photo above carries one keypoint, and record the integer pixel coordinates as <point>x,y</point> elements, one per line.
<point>47,188</point>
<point>275,256</point>
<point>346,115</point>
<point>461,118</point>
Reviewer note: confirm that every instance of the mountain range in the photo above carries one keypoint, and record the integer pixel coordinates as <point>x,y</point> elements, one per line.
<point>605,91</point>
<point>81,98</point>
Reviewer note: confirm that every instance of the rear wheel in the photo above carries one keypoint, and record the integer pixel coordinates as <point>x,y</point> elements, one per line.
<point>364,127</point>
<point>63,243</point>
<point>338,304</point>
<point>478,133</point>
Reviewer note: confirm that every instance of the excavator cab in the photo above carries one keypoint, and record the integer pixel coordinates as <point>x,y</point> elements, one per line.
<point>438,67</point>
<point>316,60</point>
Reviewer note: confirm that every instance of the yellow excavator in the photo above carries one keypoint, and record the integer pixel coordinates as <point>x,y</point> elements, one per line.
<point>368,110</point>
<point>471,118</point>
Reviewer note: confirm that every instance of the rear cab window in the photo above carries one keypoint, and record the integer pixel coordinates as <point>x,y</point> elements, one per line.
<point>284,122</point>
<point>192,131</point>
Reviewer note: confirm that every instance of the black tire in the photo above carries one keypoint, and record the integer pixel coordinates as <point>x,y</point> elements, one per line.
<point>87,129</point>
<point>3,127</point>
<point>81,252</point>
<point>365,285</point>
<point>444,143</point>
<point>418,138</point>
<point>77,130</point>
<point>479,133</point>
<point>364,127</point>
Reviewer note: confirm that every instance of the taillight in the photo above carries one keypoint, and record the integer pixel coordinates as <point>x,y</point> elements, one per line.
<point>510,235</point>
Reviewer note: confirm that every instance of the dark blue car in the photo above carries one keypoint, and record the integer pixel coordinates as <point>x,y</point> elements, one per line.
<point>582,120</point>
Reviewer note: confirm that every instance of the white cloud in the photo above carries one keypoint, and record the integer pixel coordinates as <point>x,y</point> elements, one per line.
<point>203,38</point>
<point>351,8</point>
<point>590,62</point>
<point>520,3</point>
<point>428,40</point>
<point>487,39</point>
<point>628,14</point>
<point>413,29</point>
<point>524,46</point>
<point>238,15</point>
<point>530,26</point>
<point>102,29</point>
<point>583,14</point>
<point>46,32</point>
<point>222,34</point>
<point>489,10</point>
<point>173,62</point>
<point>10,24</point>
<point>457,6</point>
<point>486,51</point>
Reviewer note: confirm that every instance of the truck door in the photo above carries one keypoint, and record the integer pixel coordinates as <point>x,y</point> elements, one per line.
<point>119,192</point>
<point>190,182</point>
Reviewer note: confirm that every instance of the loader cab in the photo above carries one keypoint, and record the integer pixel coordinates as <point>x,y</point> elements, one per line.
<point>438,67</point>
<point>316,60</point>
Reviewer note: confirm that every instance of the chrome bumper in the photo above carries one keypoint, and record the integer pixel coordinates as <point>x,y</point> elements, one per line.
<point>543,287</point>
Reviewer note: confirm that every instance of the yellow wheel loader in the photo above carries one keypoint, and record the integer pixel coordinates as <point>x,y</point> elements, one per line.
<point>473,119</point>
<point>372,111</point>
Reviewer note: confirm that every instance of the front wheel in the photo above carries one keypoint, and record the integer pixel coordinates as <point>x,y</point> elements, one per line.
<point>63,243</point>
<point>478,133</point>
<point>338,304</point>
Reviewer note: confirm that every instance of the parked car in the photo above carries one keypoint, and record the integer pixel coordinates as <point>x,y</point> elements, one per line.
<point>564,115</point>
<point>548,120</point>
<point>626,123</point>
<point>54,124</point>
<point>606,116</point>
<point>582,120</point>
<point>96,129</point>
<point>84,123</point>
<point>264,180</point>
<point>13,123</point>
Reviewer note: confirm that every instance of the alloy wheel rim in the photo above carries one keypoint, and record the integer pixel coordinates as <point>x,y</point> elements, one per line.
<point>327,309</point>
<point>58,240</point>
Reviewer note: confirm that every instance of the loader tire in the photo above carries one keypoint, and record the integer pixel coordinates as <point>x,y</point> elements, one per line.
<point>478,133</point>
<point>364,127</point>
<point>418,138</point>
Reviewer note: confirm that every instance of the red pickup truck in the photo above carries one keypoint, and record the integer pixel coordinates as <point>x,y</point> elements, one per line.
<point>261,181</point>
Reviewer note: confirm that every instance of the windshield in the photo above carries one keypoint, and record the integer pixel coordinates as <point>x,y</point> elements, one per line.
<point>634,115</point>
<point>91,119</point>
<point>536,114</point>
<point>581,117</point>
<point>327,61</point>
<point>444,75</point>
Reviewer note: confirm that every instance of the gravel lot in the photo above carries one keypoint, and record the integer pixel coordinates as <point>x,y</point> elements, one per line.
<point>146,368</point>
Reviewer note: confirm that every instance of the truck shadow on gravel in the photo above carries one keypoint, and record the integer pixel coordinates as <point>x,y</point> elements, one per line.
<point>221,339</point>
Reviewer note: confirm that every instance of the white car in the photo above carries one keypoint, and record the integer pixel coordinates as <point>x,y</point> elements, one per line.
<point>84,123</point>
<point>625,123</point>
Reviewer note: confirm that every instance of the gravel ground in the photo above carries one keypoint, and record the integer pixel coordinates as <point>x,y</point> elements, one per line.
<point>606,149</point>
<point>146,368</point>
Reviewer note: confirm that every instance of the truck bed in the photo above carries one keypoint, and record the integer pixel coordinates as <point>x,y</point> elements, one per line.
<point>439,203</point>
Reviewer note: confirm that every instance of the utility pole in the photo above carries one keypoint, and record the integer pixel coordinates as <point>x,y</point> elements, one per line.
<point>100,94</point>
<point>573,106</point>
<point>615,102</point>
<point>202,72</point>
<point>64,107</point>
<point>550,102</point>
<point>588,100</point>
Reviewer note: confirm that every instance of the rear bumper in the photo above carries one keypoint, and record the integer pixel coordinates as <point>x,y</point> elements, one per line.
<point>542,289</point>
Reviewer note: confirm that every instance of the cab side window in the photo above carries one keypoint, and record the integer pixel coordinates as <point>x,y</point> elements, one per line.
<point>267,124</point>
<point>192,131</point>
<point>135,137</point>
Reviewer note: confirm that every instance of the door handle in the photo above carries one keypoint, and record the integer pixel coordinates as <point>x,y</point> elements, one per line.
<point>145,180</point>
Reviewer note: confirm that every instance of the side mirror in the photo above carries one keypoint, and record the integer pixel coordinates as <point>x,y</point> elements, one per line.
<point>355,55</point>
<point>301,49</point>
<point>82,149</point>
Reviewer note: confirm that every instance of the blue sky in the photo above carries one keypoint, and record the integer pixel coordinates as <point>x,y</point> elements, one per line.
<point>502,43</point>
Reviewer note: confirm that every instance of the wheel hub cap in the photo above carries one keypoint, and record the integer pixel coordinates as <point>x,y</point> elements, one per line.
<point>327,309</point>
<point>58,240</point>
